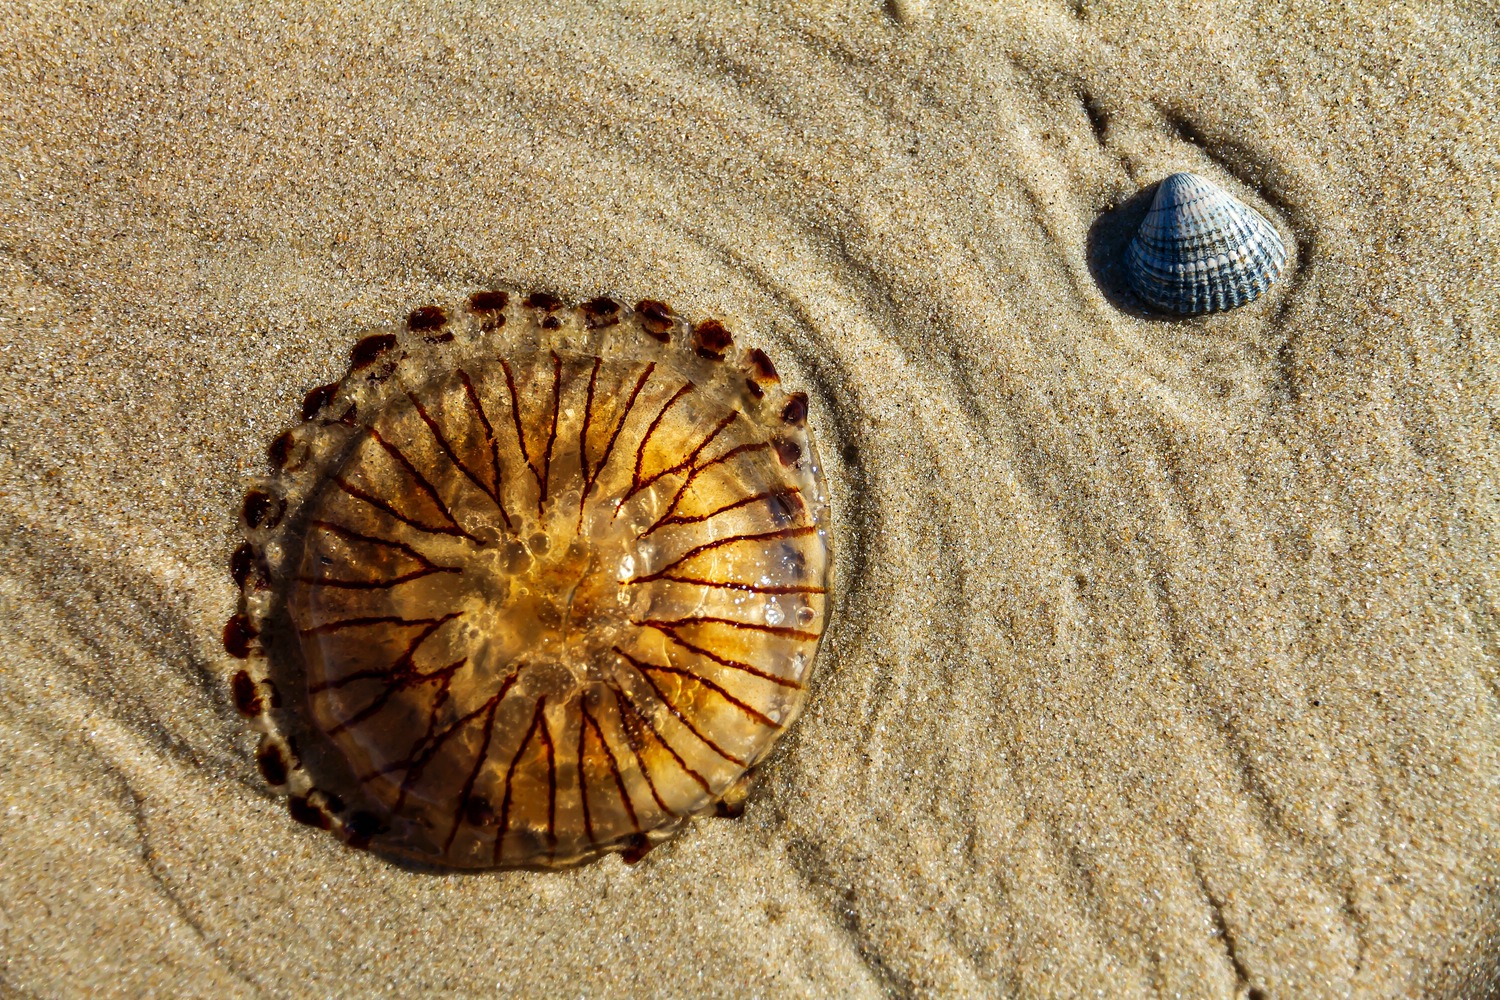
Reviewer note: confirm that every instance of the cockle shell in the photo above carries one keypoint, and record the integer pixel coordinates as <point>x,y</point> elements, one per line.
<point>1202,250</point>
<point>531,583</point>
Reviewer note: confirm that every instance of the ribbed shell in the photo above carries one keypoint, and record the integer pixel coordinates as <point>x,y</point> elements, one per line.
<point>1202,250</point>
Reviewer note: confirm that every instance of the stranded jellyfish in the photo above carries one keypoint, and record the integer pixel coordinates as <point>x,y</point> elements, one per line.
<point>531,583</point>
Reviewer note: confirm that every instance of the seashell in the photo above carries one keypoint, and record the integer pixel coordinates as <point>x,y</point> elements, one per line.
<point>531,583</point>
<point>1202,250</point>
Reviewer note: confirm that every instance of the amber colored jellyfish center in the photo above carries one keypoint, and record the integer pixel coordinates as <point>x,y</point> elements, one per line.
<point>557,607</point>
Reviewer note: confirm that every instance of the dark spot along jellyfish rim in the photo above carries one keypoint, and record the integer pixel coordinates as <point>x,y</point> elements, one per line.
<point>534,582</point>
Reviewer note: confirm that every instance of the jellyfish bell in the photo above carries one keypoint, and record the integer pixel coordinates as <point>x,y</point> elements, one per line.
<point>531,583</point>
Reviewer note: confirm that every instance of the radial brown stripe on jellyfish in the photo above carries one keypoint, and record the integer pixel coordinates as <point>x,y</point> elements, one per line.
<point>533,582</point>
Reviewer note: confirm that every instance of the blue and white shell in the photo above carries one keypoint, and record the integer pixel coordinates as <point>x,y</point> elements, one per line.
<point>1202,250</point>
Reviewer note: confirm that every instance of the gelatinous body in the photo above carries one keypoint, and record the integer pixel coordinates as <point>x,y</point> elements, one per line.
<point>533,583</point>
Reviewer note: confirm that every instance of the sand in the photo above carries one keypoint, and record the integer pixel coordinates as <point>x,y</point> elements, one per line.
<point>1166,660</point>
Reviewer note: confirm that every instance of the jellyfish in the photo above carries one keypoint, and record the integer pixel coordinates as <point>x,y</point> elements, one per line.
<point>532,583</point>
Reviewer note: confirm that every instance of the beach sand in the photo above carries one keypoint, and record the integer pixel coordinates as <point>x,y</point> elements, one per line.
<point>1166,659</point>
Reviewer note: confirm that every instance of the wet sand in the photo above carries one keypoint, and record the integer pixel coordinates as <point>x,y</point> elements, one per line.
<point>1166,659</point>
